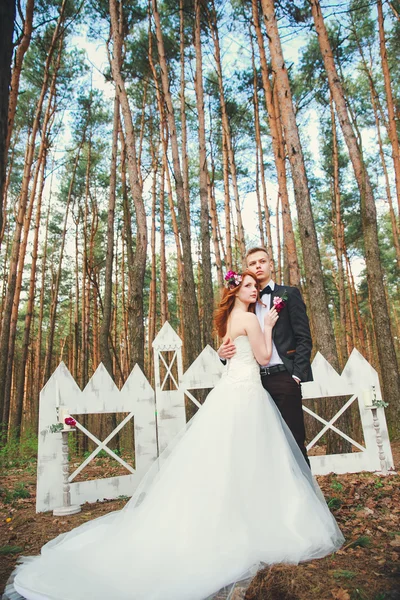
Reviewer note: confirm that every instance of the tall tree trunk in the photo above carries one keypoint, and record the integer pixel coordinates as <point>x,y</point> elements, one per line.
<point>207,289</point>
<point>393,221</point>
<point>323,330</point>
<point>259,157</point>
<point>392,130</point>
<point>279,153</point>
<point>338,230</point>
<point>12,279</point>
<point>23,46</point>
<point>11,160</point>
<point>7,16</point>
<point>38,350</point>
<point>153,272</point>
<point>163,258</point>
<point>55,290</point>
<point>76,354</point>
<point>125,337</point>
<point>16,410</point>
<point>278,273</point>
<point>19,396</point>
<point>130,257</point>
<point>105,353</point>
<point>139,266</point>
<point>380,314</point>
<point>227,204</point>
<point>213,22</point>
<point>185,160</point>
<point>214,232</point>
<point>191,325</point>
<point>259,210</point>
<point>379,116</point>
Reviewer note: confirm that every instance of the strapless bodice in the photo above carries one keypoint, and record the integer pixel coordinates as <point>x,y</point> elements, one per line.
<point>243,366</point>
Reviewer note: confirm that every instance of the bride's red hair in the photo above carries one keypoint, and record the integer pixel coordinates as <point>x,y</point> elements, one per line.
<point>226,305</point>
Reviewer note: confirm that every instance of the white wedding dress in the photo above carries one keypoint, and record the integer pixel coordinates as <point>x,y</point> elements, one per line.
<point>231,493</point>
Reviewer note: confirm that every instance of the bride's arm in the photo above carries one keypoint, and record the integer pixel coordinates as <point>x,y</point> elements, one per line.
<point>269,321</point>
<point>261,343</point>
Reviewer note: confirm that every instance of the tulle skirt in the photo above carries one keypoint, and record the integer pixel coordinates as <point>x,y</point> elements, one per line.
<point>231,493</point>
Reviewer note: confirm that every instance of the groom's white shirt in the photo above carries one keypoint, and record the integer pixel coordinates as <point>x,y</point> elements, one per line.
<point>260,312</point>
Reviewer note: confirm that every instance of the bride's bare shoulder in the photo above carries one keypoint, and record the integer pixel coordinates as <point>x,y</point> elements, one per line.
<point>249,319</point>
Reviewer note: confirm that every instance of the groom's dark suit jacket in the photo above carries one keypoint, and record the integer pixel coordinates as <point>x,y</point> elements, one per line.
<point>291,333</point>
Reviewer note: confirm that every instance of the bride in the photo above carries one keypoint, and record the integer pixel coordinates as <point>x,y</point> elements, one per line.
<point>231,494</point>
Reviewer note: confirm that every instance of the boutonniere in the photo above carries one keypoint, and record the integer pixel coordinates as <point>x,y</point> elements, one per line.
<point>280,302</point>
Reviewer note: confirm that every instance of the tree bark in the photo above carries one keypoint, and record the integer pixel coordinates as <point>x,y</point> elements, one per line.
<point>191,325</point>
<point>12,279</point>
<point>163,258</point>
<point>323,329</point>
<point>152,314</point>
<point>278,272</point>
<point>16,406</point>
<point>7,16</point>
<point>38,349</point>
<point>380,314</point>
<point>207,288</point>
<point>185,160</point>
<point>392,130</point>
<point>55,290</point>
<point>338,231</point>
<point>279,153</point>
<point>393,221</point>
<point>139,266</point>
<point>17,68</point>
<point>20,388</point>
<point>105,354</point>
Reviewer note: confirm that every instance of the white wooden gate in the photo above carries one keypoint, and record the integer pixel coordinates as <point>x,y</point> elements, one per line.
<point>360,381</point>
<point>160,415</point>
<point>99,396</point>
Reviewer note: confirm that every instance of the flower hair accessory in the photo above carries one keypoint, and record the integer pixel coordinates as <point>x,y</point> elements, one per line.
<point>232,279</point>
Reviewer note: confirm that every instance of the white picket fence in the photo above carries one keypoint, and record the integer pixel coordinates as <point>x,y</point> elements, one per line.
<point>160,414</point>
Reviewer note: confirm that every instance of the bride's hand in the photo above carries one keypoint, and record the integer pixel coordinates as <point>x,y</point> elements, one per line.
<point>271,318</point>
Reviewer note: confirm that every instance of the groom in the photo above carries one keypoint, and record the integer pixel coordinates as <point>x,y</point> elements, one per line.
<point>291,348</point>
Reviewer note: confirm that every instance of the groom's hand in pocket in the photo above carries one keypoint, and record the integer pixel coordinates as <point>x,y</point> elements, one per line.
<point>226,350</point>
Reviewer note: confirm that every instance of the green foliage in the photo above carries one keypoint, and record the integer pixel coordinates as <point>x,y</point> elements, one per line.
<point>363,542</point>
<point>16,452</point>
<point>334,503</point>
<point>19,491</point>
<point>337,486</point>
<point>7,550</point>
<point>343,574</point>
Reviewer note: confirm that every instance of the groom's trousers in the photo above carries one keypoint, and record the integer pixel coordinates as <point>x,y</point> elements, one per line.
<point>286,394</point>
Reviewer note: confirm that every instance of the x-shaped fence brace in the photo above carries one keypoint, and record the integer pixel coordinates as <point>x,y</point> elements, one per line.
<point>329,425</point>
<point>192,398</point>
<point>101,446</point>
<point>169,371</point>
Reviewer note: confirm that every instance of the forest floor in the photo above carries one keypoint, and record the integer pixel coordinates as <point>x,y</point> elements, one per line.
<point>366,506</point>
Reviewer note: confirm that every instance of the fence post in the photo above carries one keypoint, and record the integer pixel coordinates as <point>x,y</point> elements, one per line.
<point>170,399</point>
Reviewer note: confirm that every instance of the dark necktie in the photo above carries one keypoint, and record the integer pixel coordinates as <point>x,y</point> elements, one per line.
<point>266,290</point>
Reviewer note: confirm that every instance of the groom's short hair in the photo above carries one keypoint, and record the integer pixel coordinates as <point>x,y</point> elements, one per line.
<point>256,249</point>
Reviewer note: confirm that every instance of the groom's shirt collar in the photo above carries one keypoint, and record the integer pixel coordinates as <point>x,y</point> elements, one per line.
<point>271,284</point>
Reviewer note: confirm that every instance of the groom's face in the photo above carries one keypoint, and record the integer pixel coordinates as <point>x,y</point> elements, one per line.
<point>259,263</point>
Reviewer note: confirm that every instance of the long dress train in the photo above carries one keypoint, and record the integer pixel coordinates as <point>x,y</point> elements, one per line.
<point>231,493</point>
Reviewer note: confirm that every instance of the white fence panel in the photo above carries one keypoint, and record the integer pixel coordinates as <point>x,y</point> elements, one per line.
<point>99,396</point>
<point>359,381</point>
<point>167,406</point>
